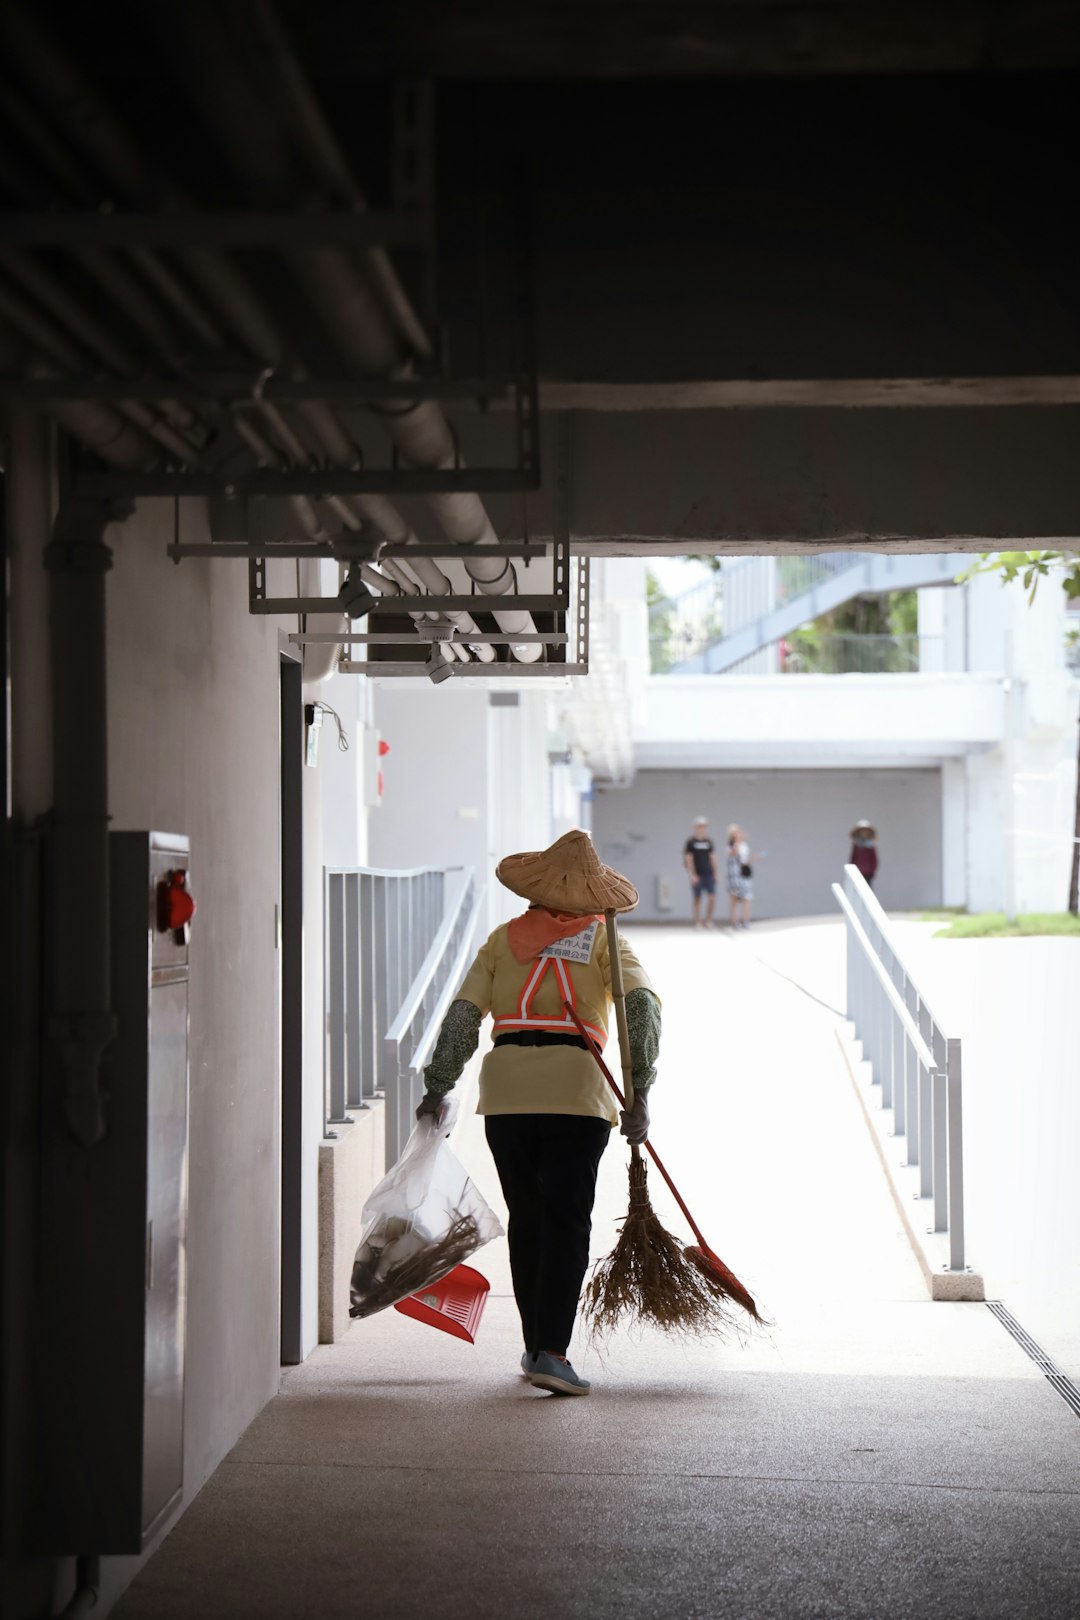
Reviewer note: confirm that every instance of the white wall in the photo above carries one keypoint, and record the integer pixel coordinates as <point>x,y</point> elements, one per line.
<point>520,803</point>
<point>797,822</point>
<point>716,721</point>
<point>467,780</point>
<point>193,746</point>
<point>341,773</point>
<point>1004,736</point>
<point>1021,794</point>
<point>1010,1002</point>
<point>434,808</point>
<point>193,722</point>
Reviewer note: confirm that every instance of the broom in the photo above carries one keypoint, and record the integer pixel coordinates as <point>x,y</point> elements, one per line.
<point>649,1278</point>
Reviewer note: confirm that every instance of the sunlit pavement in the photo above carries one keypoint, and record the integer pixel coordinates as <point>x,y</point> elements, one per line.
<point>871,1455</point>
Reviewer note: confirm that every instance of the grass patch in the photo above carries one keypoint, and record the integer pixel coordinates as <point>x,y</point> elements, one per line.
<point>994,925</point>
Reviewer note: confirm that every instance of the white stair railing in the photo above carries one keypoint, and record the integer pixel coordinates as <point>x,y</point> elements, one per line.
<point>914,1062</point>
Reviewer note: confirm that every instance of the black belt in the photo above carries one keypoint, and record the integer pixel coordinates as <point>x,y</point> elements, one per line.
<point>538,1037</point>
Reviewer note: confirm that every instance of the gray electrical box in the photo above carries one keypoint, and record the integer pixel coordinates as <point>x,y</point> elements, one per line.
<point>115,1280</point>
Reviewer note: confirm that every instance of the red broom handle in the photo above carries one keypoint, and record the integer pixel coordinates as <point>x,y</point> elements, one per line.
<point>606,1072</point>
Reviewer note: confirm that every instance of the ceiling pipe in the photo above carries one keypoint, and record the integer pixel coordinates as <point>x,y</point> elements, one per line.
<point>40,331</point>
<point>126,289</point>
<point>73,101</point>
<point>103,139</point>
<point>48,291</point>
<point>330,166</point>
<point>104,142</point>
<point>382,585</point>
<point>108,270</point>
<point>384,516</point>
<point>106,432</point>
<point>345,302</point>
<point>172,291</point>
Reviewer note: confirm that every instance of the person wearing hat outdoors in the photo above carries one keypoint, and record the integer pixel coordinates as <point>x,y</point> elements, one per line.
<point>864,850</point>
<point>548,1109</point>
<point>699,858</point>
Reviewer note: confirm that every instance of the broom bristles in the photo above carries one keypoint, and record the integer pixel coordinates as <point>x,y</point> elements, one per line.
<point>650,1280</point>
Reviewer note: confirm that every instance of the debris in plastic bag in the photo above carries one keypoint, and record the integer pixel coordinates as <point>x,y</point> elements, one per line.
<point>384,1271</point>
<point>424,1218</point>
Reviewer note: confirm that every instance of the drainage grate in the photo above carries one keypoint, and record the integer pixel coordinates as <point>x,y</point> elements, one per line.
<point>1046,1365</point>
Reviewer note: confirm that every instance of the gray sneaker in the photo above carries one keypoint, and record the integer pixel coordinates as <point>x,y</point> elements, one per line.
<point>555,1373</point>
<point>526,1362</point>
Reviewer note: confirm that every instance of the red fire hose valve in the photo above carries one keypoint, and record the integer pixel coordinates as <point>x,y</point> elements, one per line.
<point>176,905</point>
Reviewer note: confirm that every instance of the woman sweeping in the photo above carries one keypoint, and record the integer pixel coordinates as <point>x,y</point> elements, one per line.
<point>548,1110</point>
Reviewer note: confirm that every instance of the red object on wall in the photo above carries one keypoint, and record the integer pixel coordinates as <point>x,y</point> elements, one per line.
<point>384,748</point>
<point>176,905</point>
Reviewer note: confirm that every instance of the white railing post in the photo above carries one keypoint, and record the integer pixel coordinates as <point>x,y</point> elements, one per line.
<point>335,1101</point>
<point>940,1153</point>
<point>956,1157</point>
<point>354,1084</point>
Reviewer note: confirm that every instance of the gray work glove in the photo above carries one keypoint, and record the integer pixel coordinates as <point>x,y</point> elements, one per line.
<point>430,1103</point>
<point>635,1121</point>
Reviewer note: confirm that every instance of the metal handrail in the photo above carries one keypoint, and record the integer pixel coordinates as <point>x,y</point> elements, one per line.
<point>397,943</point>
<point>422,1049</point>
<point>430,965</point>
<point>425,1004</point>
<point>922,1051</point>
<point>378,924</point>
<point>916,1064</point>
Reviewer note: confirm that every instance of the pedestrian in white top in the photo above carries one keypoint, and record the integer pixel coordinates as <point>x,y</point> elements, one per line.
<point>740,875</point>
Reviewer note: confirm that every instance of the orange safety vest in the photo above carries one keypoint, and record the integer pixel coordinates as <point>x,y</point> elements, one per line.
<point>525,1018</point>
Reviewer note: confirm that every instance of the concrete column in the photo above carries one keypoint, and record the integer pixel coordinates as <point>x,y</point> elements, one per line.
<point>954,880</point>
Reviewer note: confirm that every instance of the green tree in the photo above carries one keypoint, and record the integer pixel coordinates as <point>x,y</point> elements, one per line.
<point>891,613</point>
<point>1029,567</point>
<point>660,624</point>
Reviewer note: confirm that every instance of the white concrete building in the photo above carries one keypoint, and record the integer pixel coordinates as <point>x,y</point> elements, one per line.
<point>967,767</point>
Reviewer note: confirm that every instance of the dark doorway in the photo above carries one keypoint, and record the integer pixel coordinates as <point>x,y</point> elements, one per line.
<point>292,1002</point>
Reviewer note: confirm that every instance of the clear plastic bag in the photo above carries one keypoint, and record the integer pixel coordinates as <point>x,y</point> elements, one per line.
<point>425,1217</point>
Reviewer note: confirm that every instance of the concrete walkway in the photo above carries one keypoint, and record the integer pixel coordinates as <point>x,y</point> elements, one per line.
<point>872,1456</point>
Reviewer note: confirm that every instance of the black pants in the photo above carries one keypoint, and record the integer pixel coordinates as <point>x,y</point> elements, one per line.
<point>547,1165</point>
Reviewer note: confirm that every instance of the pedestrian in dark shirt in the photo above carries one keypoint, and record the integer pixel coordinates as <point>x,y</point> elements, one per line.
<point>864,850</point>
<point>699,858</point>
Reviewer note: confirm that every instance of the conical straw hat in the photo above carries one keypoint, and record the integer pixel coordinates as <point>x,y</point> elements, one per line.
<point>569,876</point>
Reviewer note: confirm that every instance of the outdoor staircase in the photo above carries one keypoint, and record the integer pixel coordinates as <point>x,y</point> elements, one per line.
<point>820,583</point>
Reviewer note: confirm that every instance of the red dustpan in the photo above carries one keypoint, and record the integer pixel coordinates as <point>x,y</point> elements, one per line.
<point>454,1304</point>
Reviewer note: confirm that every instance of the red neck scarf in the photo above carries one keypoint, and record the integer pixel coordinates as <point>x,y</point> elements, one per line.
<point>538,928</point>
